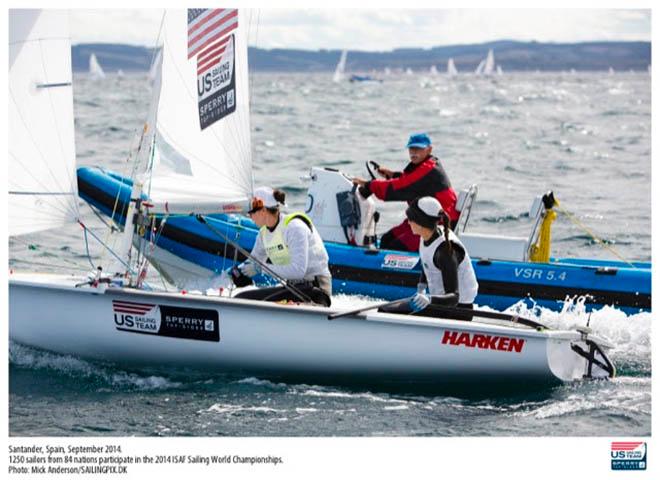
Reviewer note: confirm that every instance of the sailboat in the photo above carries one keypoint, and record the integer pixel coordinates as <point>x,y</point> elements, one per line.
<point>486,66</point>
<point>451,68</point>
<point>199,163</point>
<point>433,70</point>
<point>409,71</point>
<point>95,70</point>
<point>340,68</point>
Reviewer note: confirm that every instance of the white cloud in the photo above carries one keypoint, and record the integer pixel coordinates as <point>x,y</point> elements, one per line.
<point>385,29</point>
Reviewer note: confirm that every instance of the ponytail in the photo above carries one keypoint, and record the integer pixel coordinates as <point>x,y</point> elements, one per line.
<point>445,226</point>
<point>279,196</point>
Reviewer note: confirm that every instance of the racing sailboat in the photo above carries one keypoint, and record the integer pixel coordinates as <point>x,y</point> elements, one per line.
<point>114,316</point>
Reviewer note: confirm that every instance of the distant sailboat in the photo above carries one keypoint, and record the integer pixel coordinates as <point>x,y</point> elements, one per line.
<point>409,71</point>
<point>433,70</point>
<point>611,71</point>
<point>489,67</point>
<point>451,68</point>
<point>95,70</point>
<point>499,70</point>
<point>388,71</point>
<point>120,73</point>
<point>341,66</point>
<point>486,66</point>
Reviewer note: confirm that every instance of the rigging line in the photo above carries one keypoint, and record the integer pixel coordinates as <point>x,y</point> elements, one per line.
<point>594,237</point>
<point>89,257</point>
<point>98,215</point>
<point>73,187</point>
<point>121,260</point>
<point>65,205</point>
<point>186,89</point>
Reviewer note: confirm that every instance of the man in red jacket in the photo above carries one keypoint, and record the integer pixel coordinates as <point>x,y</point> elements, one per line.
<point>423,176</point>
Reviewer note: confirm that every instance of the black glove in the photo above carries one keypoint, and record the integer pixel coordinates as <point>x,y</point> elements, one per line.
<point>239,278</point>
<point>364,191</point>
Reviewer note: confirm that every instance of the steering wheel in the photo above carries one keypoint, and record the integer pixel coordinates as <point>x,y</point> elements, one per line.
<point>374,165</point>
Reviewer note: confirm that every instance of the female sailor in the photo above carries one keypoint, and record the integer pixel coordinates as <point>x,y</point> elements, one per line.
<point>293,250</point>
<point>447,268</point>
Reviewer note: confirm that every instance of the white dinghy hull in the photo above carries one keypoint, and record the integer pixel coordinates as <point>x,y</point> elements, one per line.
<point>175,330</point>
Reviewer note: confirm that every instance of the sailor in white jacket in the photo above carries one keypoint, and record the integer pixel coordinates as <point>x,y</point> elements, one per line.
<point>292,248</point>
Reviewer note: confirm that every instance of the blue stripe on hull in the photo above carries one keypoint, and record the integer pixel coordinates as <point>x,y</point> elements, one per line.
<point>358,271</point>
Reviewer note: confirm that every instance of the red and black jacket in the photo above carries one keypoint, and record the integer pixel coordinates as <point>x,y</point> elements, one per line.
<point>427,178</point>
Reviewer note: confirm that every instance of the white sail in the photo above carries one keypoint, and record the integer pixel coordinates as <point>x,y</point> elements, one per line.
<point>95,70</point>
<point>341,67</point>
<point>409,71</point>
<point>433,70</point>
<point>489,66</point>
<point>480,68</point>
<point>451,68</point>
<point>120,73</point>
<point>203,158</point>
<point>42,155</point>
<point>499,70</point>
<point>388,71</point>
<point>155,67</point>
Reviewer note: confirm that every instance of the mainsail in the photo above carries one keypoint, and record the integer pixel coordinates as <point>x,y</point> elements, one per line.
<point>202,158</point>
<point>341,67</point>
<point>95,70</point>
<point>42,155</point>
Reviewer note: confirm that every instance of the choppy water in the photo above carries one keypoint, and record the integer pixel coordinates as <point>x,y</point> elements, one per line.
<point>585,136</point>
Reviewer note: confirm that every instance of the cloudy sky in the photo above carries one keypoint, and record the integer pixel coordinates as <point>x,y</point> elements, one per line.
<point>385,28</point>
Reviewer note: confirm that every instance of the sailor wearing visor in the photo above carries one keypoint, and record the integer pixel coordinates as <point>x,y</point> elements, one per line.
<point>291,247</point>
<point>446,266</point>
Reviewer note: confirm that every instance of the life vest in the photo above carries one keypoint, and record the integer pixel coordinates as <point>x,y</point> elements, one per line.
<point>467,280</point>
<point>276,249</point>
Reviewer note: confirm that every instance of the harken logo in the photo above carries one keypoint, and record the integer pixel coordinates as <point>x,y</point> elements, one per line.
<point>628,455</point>
<point>483,341</point>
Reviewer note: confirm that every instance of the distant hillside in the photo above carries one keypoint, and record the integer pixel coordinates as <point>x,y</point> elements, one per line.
<point>510,55</point>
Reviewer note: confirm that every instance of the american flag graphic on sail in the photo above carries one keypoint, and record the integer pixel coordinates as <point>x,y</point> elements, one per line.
<point>211,38</point>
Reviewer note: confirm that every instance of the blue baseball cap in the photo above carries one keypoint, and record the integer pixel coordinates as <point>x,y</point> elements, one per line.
<point>419,140</point>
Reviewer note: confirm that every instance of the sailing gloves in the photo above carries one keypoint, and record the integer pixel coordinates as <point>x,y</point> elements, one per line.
<point>249,268</point>
<point>420,300</point>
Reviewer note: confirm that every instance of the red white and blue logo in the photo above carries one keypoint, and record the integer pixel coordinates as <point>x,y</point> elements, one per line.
<point>628,455</point>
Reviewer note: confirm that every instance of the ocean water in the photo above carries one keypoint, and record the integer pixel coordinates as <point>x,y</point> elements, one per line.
<point>587,137</point>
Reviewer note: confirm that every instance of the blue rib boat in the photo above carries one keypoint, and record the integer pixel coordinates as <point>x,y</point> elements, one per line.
<point>187,252</point>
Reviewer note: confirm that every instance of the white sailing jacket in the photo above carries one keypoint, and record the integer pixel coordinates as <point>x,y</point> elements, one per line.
<point>294,248</point>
